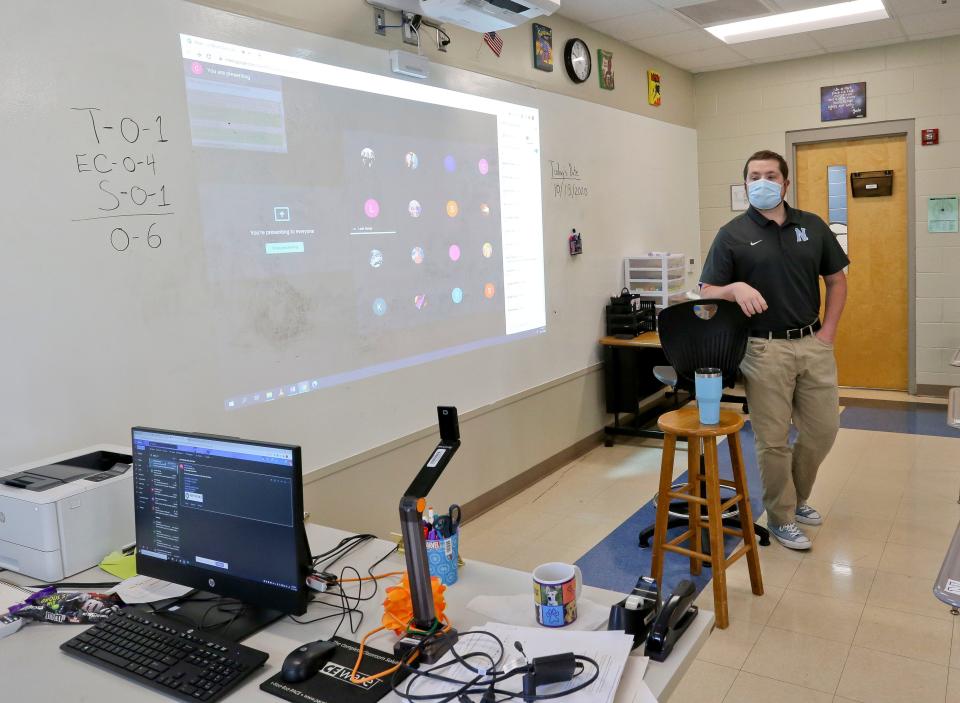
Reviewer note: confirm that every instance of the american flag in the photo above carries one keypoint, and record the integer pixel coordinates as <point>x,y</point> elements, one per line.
<point>494,41</point>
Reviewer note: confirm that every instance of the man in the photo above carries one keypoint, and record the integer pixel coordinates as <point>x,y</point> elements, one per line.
<point>769,261</point>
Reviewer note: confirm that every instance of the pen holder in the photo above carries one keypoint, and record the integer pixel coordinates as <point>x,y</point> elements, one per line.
<point>442,556</point>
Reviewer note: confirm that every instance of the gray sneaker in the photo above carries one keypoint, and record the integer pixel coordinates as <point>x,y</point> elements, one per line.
<point>807,515</point>
<point>790,536</point>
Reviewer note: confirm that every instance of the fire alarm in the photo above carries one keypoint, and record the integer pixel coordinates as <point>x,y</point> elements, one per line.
<point>929,137</point>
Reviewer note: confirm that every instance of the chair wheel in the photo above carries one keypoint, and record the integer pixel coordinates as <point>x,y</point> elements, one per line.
<point>608,441</point>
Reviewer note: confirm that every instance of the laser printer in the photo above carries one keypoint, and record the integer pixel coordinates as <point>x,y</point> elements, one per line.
<point>62,515</point>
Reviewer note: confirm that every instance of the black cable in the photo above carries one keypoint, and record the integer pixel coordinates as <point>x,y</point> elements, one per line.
<point>347,609</point>
<point>79,584</point>
<point>445,44</point>
<point>468,687</point>
<point>340,545</point>
<point>239,609</point>
<point>346,546</point>
<point>464,686</point>
<point>382,559</point>
<point>497,677</point>
<point>493,664</point>
<point>548,696</point>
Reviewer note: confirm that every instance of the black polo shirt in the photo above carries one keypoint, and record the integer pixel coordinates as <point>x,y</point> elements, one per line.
<point>783,263</point>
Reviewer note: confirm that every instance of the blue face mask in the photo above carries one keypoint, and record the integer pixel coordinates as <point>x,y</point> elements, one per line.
<point>764,195</point>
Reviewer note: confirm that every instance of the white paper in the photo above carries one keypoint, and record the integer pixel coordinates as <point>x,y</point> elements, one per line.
<point>10,596</point>
<point>609,649</point>
<point>518,610</point>
<point>633,689</point>
<point>738,198</point>
<point>144,589</point>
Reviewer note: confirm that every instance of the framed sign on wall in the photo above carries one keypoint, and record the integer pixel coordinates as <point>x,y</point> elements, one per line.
<point>843,102</point>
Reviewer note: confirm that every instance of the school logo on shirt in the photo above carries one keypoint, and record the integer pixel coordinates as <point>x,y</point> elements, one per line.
<point>801,234</point>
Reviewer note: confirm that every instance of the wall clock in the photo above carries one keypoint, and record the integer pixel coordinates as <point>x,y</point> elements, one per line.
<point>576,58</point>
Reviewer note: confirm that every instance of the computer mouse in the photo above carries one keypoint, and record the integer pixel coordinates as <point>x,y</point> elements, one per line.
<point>306,661</point>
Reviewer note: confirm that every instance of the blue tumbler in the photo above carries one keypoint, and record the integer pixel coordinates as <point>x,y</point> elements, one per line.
<point>709,389</point>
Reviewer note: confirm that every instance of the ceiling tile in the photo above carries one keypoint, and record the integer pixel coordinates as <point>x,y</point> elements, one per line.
<point>643,24</point>
<point>902,8</point>
<point>588,11</point>
<point>930,22</point>
<point>707,59</point>
<point>793,5</point>
<point>789,57</point>
<point>779,48</point>
<point>650,26</point>
<point>843,38</point>
<point>934,35</point>
<point>679,43</point>
<point>867,45</point>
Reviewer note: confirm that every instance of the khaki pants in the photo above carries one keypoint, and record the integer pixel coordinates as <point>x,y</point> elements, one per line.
<point>790,379</point>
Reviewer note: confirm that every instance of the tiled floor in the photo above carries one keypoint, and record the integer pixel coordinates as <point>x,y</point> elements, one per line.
<point>853,619</point>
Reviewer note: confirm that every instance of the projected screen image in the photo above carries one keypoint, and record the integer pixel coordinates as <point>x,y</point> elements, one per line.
<point>354,223</point>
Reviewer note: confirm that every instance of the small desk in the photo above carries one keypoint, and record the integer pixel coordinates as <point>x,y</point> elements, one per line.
<point>44,673</point>
<point>628,379</point>
<point>645,340</point>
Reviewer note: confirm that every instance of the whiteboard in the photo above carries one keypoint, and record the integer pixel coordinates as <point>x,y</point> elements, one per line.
<point>106,329</point>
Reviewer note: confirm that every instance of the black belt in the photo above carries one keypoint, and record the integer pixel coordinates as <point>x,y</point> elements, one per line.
<point>797,333</point>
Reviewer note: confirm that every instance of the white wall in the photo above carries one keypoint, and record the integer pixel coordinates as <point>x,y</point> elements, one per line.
<point>508,437</point>
<point>353,20</point>
<point>742,110</point>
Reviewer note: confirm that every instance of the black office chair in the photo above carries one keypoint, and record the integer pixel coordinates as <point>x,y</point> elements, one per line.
<point>694,335</point>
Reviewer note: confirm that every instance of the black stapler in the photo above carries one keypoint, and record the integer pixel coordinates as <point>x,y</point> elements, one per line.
<point>635,613</point>
<point>672,621</point>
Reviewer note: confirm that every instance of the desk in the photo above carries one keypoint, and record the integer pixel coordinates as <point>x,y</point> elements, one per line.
<point>36,670</point>
<point>628,378</point>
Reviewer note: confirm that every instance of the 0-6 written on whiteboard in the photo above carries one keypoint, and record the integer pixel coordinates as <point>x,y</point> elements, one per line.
<point>120,165</point>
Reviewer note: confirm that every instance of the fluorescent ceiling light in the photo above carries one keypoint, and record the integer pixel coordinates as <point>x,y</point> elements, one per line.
<point>838,15</point>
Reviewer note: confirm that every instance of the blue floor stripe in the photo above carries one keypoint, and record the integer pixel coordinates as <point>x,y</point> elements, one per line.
<point>921,419</point>
<point>617,561</point>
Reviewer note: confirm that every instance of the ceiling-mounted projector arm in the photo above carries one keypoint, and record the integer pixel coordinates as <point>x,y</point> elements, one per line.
<point>475,15</point>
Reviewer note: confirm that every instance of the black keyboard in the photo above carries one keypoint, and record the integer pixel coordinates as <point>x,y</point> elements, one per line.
<point>166,656</point>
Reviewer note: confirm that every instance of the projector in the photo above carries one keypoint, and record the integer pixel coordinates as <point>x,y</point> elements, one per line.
<point>476,15</point>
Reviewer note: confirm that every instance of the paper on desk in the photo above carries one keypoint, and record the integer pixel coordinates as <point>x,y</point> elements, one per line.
<point>144,589</point>
<point>633,689</point>
<point>518,610</point>
<point>9,596</point>
<point>609,649</point>
<point>121,565</point>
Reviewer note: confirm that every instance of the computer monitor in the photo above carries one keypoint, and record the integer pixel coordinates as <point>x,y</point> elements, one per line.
<point>223,515</point>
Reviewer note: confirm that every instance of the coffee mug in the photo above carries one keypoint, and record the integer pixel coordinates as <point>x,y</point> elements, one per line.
<point>556,587</point>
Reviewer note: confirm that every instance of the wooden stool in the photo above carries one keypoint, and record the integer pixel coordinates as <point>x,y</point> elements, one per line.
<point>685,422</point>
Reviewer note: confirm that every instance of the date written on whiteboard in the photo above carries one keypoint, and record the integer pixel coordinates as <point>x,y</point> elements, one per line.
<point>117,163</point>
<point>567,182</point>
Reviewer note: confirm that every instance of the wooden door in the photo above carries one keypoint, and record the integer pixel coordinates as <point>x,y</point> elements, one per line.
<point>871,344</point>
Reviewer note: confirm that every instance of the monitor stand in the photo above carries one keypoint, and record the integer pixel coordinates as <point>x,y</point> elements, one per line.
<point>217,615</point>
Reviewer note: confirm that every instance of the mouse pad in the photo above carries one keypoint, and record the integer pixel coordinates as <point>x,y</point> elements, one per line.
<point>332,683</point>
